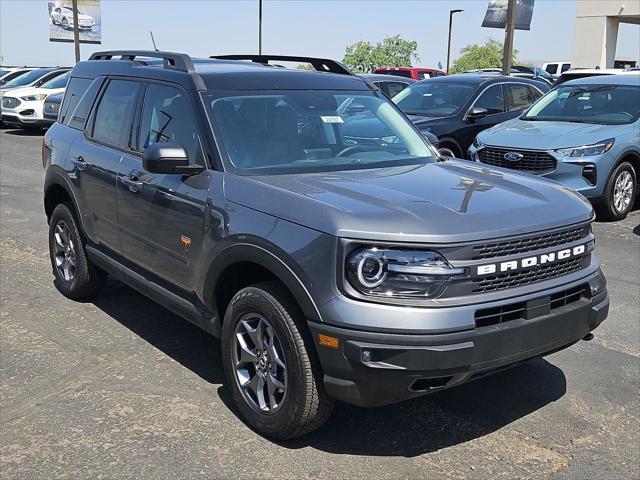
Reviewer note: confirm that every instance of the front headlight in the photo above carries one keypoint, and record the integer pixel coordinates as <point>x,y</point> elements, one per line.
<point>477,143</point>
<point>396,273</point>
<point>34,98</point>
<point>587,150</point>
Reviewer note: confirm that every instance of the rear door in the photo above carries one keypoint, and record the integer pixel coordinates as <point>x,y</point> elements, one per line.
<point>96,155</point>
<point>161,216</point>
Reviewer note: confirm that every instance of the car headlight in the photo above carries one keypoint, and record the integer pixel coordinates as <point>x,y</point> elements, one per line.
<point>34,98</point>
<point>397,273</point>
<point>477,143</point>
<point>587,150</point>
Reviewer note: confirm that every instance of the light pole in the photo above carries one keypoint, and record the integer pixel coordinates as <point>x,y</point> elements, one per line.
<point>451,12</point>
<point>259,27</point>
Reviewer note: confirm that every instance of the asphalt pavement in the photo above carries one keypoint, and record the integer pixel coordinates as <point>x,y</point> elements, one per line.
<point>121,388</point>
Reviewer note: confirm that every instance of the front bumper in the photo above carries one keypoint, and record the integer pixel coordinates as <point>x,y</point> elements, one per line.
<point>374,369</point>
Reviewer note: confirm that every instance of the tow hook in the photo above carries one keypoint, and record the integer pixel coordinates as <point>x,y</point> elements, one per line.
<point>588,337</point>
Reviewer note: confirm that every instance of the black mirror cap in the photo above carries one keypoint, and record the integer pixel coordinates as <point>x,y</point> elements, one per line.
<point>169,158</point>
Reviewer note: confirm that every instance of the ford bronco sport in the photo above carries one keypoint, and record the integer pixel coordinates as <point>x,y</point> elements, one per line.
<point>369,272</point>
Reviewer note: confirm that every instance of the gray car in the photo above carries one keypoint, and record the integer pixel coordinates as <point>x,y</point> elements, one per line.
<point>224,190</point>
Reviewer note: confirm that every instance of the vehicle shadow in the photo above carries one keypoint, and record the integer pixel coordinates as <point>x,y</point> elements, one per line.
<point>407,429</point>
<point>22,132</point>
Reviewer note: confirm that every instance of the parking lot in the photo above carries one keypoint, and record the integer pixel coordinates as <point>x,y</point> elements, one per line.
<point>120,387</point>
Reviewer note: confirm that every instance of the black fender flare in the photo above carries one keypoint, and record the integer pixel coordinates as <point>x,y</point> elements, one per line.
<point>55,176</point>
<point>269,257</point>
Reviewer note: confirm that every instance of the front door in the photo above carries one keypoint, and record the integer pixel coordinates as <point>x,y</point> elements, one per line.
<point>161,216</point>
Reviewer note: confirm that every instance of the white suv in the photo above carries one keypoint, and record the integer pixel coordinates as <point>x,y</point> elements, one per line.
<point>23,107</point>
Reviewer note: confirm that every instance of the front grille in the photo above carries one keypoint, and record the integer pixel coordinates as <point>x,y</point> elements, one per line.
<point>529,244</point>
<point>534,161</point>
<point>540,306</point>
<point>10,102</point>
<point>512,279</point>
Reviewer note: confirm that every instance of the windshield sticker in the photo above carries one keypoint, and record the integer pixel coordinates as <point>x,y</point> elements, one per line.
<point>331,119</point>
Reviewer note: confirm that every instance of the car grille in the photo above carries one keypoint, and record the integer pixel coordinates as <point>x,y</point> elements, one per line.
<point>534,161</point>
<point>528,244</point>
<point>531,309</point>
<point>10,102</point>
<point>534,274</point>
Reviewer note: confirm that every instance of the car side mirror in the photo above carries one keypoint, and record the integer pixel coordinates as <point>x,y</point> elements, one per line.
<point>169,158</point>
<point>477,112</point>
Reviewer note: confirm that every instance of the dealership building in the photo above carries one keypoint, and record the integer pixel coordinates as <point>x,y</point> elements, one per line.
<point>596,35</point>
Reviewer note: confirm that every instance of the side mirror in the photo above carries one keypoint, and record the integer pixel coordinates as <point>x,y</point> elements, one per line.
<point>168,158</point>
<point>477,112</point>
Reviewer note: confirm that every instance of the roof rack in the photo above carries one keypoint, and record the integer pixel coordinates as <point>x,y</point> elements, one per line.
<point>176,61</point>
<point>320,64</point>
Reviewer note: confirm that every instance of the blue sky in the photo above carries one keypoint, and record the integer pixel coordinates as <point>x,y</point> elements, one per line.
<point>309,27</point>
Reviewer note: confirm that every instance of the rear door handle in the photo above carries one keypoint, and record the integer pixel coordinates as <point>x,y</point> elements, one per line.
<point>79,162</point>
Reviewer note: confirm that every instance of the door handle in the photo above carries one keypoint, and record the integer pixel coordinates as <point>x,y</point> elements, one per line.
<point>79,162</point>
<point>133,183</point>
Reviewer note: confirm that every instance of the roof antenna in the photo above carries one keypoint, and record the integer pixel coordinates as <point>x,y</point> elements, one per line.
<point>153,41</point>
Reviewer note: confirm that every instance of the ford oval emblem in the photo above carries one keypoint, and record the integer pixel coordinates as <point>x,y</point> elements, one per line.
<point>513,156</point>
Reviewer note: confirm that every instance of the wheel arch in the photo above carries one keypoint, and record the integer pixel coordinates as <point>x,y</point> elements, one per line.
<point>633,158</point>
<point>447,142</point>
<point>243,264</point>
<point>56,191</point>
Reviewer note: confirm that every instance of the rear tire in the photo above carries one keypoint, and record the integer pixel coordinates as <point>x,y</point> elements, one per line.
<point>75,276</point>
<point>301,404</point>
<point>619,193</point>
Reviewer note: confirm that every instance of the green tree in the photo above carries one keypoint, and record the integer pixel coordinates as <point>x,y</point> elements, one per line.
<point>364,57</point>
<point>487,55</point>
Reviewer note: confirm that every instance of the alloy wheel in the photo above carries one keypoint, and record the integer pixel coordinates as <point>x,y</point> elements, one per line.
<point>65,252</point>
<point>623,191</point>
<point>259,364</point>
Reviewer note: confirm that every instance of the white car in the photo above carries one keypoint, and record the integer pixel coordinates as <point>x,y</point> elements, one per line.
<point>63,16</point>
<point>23,107</point>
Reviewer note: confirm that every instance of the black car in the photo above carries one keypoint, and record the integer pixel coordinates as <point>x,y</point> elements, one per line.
<point>52,107</point>
<point>456,108</point>
<point>388,84</point>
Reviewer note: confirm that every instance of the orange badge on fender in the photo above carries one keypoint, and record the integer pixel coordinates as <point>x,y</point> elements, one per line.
<point>186,242</point>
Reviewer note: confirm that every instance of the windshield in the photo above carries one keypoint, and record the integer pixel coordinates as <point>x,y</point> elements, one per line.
<point>57,82</point>
<point>3,72</point>
<point>432,99</point>
<point>600,104</point>
<point>300,131</point>
<point>26,78</point>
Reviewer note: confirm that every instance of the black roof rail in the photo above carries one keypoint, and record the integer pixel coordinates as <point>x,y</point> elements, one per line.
<point>320,64</point>
<point>176,61</point>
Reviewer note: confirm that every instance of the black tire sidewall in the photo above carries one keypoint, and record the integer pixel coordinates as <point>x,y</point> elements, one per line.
<point>611,211</point>
<point>276,425</point>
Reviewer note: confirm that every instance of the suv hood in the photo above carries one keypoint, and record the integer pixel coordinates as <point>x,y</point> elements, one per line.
<point>545,135</point>
<point>442,202</point>
<point>24,91</point>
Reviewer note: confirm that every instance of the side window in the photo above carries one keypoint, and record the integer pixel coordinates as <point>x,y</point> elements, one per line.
<point>112,123</point>
<point>565,67</point>
<point>167,117</point>
<point>518,96</point>
<point>492,99</point>
<point>535,93</point>
<point>77,117</point>
<point>394,88</point>
<point>73,93</point>
<point>552,68</point>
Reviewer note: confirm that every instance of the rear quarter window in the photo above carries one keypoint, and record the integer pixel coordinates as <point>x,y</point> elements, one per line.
<point>74,92</point>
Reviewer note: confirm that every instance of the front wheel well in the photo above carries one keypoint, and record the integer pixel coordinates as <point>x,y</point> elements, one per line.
<point>54,196</point>
<point>234,278</point>
<point>634,160</point>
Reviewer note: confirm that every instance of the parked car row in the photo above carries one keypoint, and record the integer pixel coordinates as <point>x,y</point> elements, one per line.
<point>23,92</point>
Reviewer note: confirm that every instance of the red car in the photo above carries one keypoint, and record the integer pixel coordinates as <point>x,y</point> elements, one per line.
<point>417,73</point>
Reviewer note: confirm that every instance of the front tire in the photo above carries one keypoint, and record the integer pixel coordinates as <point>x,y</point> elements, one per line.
<point>65,23</point>
<point>619,193</point>
<point>270,364</point>
<point>75,276</point>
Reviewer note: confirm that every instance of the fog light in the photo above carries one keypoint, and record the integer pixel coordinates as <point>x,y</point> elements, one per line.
<point>597,284</point>
<point>590,174</point>
<point>366,356</point>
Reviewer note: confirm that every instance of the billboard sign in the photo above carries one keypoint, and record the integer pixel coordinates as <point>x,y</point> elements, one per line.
<point>61,21</point>
<point>496,16</point>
